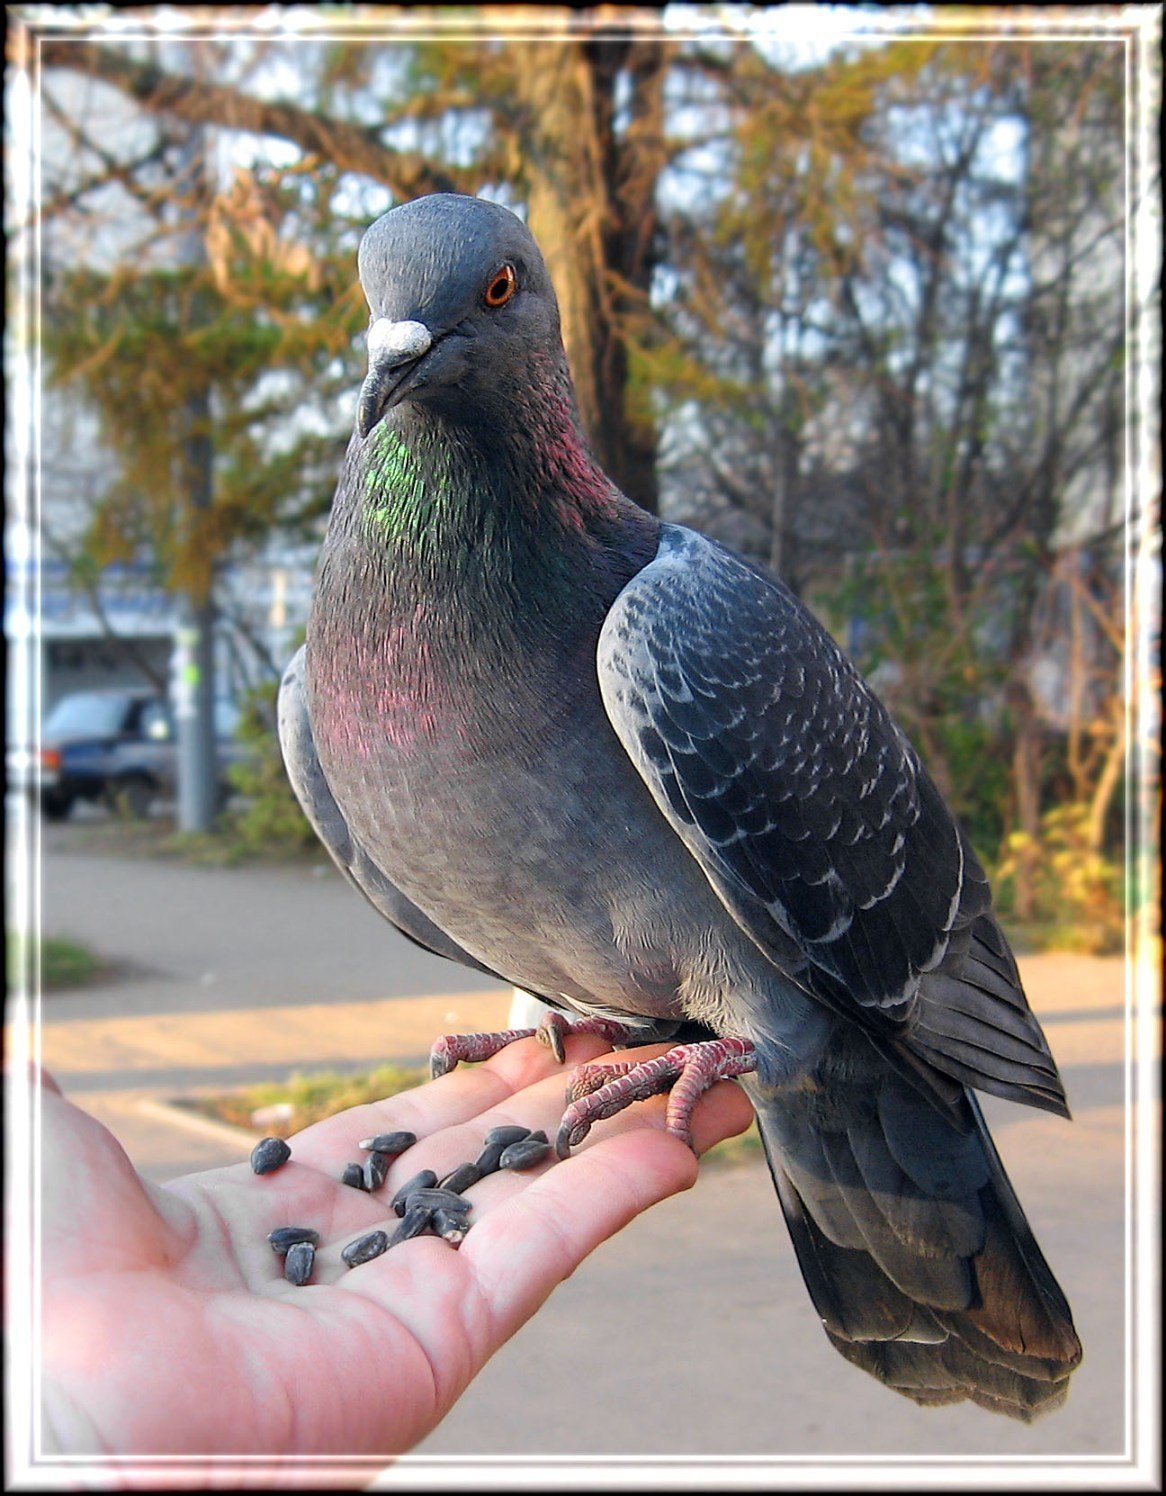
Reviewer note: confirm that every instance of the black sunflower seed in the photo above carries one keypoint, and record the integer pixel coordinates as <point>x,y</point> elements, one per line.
<point>451,1225</point>
<point>435,1198</point>
<point>269,1154</point>
<point>354,1175</point>
<point>389,1142</point>
<point>461,1178</point>
<point>415,1220</point>
<point>506,1134</point>
<point>297,1267</point>
<point>284,1237</point>
<point>487,1160</point>
<point>365,1248</point>
<point>525,1154</point>
<point>425,1180</point>
<point>375,1170</point>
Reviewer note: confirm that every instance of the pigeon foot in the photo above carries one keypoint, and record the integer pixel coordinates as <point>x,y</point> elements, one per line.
<point>687,1071</point>
<point>553,1029</point>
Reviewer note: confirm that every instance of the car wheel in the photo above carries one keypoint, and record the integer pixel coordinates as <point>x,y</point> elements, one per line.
<point>56,807</point>
<point>133,796</point>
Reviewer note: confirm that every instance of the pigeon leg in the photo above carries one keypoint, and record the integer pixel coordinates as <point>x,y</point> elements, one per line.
<point>552,1030</point>
<point>687,1071</point>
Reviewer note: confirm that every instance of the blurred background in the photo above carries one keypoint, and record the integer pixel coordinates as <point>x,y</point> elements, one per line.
<point>852,289</point>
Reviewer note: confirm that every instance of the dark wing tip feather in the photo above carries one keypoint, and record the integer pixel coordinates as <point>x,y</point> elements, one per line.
<point>973,1022</point>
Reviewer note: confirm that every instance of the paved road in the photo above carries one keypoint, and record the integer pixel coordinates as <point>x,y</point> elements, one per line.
<point>688,1335</point>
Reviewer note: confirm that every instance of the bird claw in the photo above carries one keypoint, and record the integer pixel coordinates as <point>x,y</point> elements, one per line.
<point>598,1091</point>
<point>550,1033</point>
<point>554,1028</point>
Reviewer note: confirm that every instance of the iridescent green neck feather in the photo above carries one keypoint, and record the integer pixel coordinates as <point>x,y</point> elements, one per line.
<point>415,506</point>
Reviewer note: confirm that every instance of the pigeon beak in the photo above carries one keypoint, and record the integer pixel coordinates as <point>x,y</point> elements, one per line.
<point>393,349</point>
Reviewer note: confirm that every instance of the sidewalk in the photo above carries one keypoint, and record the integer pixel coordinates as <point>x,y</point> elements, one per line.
<point>231,975</point>
<point>220,979</point>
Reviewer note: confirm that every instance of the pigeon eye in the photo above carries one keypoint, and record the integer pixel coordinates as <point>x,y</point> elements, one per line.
<point>501,287</point>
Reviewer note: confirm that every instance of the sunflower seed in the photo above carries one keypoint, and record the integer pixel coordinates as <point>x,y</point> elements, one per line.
<point>434,1198</point>
<point>450,1225</point>
<point>415,1220</point>
<point>389,1142</point>
<point>506,1134</point>
<point>525,1154</point>
<point>425,1180</point>
<point>269,1154</point>
<point>375,1170</point>
<point>487,1160</point>
<point>461,1178</point>
<point>354,1175</point>
<point>365,1248</point>
<point>284,1237</point>
<point>297,1267</point>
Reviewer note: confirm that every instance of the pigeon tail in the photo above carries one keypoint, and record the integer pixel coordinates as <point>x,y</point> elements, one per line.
<point>915,1250</point>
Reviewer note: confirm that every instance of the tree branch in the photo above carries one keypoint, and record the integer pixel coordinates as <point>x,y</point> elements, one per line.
<point>81,577</point>
<point>351,147</point>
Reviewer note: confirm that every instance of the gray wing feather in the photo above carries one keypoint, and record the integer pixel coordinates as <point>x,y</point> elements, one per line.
<point>782,772</point>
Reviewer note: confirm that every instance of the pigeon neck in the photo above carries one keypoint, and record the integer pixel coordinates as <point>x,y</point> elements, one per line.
<point>511,505</point>
<point>468,565</point>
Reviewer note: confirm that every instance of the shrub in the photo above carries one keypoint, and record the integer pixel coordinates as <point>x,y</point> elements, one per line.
<point>1078,893</point>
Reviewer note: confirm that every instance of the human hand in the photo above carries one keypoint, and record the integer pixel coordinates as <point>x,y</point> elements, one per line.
<point>168,1326</point>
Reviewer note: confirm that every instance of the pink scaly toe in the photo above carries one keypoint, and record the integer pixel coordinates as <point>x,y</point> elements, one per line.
<point>553,1029</point>
<point>597,1091</point>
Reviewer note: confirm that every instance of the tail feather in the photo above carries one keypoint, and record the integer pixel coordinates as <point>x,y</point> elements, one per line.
<point>914,1247</point>
<point>985,1066</point>
<point>840,1279</point>
<point>912,1263</point>
<point>955,1375</point>
<point>1014,1274</point>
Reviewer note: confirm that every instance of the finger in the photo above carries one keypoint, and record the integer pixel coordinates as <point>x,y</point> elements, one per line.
<point>721,1112</point>
<point>525,1245</point>
<point>628,1163</point>
<point>307,1191</point>
<point>520,1250</point>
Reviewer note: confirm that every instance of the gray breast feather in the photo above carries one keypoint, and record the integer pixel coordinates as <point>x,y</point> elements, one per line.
<point>314,793</point>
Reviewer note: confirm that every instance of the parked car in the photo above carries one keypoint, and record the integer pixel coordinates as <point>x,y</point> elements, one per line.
<point>120,748</point>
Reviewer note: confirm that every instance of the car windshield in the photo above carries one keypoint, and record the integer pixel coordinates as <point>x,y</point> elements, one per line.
<point>86,714</point>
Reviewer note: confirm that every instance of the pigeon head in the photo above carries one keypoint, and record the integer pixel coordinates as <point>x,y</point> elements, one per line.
<point>462,307</point>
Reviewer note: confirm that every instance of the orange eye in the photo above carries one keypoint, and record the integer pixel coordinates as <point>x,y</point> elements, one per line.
<point>501,287</point>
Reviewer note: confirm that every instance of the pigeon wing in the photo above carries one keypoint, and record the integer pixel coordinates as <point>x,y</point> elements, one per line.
<point>786,778</point>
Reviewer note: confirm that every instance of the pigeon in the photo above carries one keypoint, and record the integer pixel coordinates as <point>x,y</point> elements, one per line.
<point>610,761</point>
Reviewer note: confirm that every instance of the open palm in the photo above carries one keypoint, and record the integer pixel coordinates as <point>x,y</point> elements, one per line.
<point>168,1326</point>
